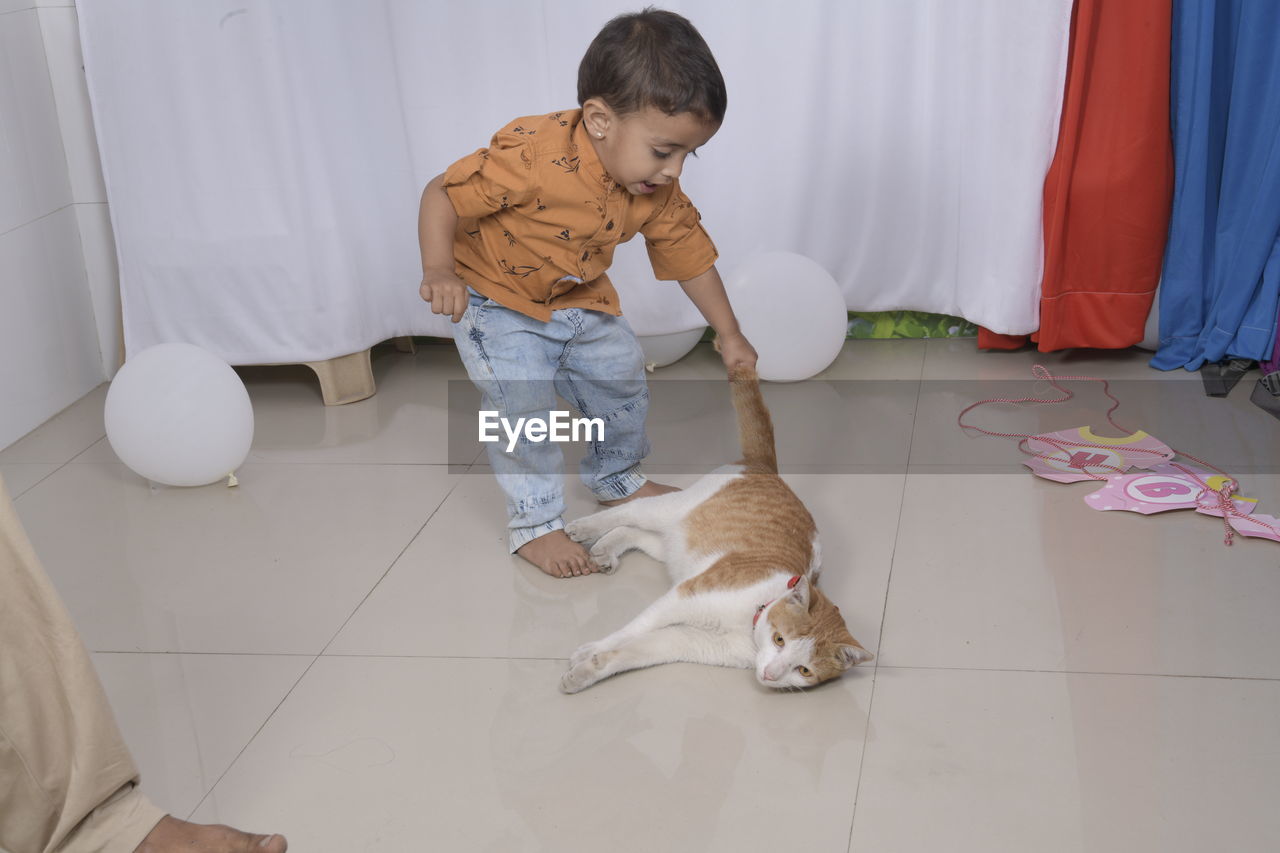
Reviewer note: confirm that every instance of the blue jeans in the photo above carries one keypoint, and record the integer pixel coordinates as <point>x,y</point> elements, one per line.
<point>519,364</point>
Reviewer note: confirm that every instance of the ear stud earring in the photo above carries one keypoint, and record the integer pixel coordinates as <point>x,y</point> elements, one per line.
<point>599,134</point>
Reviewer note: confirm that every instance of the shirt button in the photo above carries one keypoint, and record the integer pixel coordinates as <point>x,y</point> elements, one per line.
<point>609,227</point>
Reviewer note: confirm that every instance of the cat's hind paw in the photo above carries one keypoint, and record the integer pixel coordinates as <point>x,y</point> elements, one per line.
<point>575,681</point>
<point>583,652</point>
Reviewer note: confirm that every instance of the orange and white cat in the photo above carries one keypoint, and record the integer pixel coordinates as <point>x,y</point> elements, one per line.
<point>743,554</point>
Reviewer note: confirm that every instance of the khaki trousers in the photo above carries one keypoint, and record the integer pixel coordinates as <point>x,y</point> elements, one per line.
<point>67,782</point>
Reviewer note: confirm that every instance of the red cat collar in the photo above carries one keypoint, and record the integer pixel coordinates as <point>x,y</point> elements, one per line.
<point>791,584</point>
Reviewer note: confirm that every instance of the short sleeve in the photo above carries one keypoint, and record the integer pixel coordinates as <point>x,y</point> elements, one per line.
<point>679,247</point>
<point>491,178</point>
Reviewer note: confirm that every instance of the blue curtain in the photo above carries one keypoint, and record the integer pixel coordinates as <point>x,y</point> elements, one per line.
<point>1221,282</point>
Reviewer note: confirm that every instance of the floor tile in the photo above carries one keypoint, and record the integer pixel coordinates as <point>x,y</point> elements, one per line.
<point>410,754</point>
<point>960,358</point>
<point>405,422</point>
<point>485,602</point>
<point>416,418</point>
<point>274,566</point>
<point>185,718</point>
<point>896,360</point>
<point>855,514</point>
<point>849,425</point>
<point>1014,572</point>
<point>1001,762</point>
<point>65,435</point>
<point>20,476</point>
<point>883,360</point>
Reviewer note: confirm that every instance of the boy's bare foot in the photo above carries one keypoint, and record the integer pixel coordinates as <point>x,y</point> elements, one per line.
<point>648,490</point>
<point>558,555</point>
<point>171,834</point>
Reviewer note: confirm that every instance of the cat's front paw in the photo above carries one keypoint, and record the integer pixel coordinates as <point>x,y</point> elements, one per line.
<point>605,559</point>
<point>581,530</point>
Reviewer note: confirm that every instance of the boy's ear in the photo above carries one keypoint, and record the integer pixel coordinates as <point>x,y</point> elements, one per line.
<point>597,116</point>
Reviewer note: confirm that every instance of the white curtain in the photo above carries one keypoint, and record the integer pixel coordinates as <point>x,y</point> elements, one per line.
<point>264,158</point>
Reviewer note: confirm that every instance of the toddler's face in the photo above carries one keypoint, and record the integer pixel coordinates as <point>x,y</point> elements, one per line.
<point>646,149</point>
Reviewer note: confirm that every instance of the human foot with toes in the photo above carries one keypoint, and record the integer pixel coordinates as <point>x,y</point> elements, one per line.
<point>557,555</point>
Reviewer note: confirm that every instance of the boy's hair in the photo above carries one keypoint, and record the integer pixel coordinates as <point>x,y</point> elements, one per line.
<point>652,58</point>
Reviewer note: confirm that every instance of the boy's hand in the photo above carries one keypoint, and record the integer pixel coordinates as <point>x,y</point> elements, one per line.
<point>446,292</point>
<point>736,350</point>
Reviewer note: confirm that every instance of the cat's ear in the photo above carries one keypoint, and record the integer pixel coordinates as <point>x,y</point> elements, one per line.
<point>800,592</point>
<point>851,656</point>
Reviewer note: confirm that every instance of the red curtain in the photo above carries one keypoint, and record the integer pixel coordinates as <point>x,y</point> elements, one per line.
<point>1108,192</point>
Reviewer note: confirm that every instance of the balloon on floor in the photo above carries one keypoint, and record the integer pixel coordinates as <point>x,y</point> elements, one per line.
<point>792,312</point>
<point>179,415</point>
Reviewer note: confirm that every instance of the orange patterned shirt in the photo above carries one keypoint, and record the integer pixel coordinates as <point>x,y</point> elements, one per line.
<point>538,219</point>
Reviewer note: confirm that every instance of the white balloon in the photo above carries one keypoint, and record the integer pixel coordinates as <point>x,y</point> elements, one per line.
<point>792,312</point>
<point>179,415</point>
<point>661,350</point>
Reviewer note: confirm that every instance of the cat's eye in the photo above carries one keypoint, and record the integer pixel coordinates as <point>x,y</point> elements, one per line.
<point>777,640</point>
<point>805,671</point>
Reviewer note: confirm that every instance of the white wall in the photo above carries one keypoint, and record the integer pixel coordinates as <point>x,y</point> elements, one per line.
<point>59,288</point>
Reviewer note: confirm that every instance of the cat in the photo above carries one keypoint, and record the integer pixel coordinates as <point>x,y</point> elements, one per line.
<point>744,556</point>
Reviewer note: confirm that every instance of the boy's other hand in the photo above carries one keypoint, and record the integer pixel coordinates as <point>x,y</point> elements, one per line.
<point>736,350</point>
<point>446,292</point>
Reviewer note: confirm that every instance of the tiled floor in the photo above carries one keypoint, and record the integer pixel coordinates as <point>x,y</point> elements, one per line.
<point>341,650</point>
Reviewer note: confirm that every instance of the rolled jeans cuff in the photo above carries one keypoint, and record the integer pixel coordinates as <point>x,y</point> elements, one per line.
<point>621,485</point>
<point>518,537</point>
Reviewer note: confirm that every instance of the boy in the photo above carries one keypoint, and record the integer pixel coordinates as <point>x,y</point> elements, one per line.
<point>515,242</point>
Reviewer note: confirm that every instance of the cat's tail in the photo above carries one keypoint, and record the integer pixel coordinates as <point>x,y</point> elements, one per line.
<point>755,427</point>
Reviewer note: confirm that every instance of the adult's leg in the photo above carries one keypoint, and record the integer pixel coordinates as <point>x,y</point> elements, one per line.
<point>69,781</point>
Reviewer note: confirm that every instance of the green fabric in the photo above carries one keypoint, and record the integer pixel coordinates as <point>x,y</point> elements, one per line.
<point>900,324</point>
<point>908,324</point>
